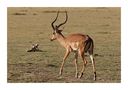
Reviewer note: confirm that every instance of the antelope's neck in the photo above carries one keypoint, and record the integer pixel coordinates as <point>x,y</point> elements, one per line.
<point>61,39</point>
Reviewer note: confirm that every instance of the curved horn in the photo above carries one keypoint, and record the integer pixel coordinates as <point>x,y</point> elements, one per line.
<point>54,21</point>
<point>64,21</point>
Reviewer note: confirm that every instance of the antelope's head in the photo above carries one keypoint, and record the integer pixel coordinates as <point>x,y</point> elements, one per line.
<point>56,30</point>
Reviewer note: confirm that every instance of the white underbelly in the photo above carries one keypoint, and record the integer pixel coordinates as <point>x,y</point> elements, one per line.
<point>74,49</point>
<point>74,46</point>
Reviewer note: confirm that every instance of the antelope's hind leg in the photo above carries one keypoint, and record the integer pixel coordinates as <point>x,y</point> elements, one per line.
<point>84,63</point>
<point>93,65</point>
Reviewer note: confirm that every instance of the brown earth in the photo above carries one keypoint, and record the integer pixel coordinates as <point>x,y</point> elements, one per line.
<point>27,26</point>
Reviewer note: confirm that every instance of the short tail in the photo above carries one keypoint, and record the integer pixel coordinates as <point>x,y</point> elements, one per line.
<point>89,46</point>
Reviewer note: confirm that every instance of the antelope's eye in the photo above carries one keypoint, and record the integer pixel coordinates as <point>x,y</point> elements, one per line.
<point>53,32</point>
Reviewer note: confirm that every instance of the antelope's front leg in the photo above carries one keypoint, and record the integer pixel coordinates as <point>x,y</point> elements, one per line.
<point>76,57</point>
<point>62,65</point>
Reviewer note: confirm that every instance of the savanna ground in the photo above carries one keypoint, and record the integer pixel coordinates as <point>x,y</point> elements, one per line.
<point>27,26</point>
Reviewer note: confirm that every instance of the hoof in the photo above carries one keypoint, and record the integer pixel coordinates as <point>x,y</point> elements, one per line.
<point>76,75</point>
<point>94,76</point>
<point>60,73</point>
<point>94,79</point>
<point>80,75</point>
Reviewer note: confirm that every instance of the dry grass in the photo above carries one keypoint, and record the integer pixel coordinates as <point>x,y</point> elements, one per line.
<point>32,25</point>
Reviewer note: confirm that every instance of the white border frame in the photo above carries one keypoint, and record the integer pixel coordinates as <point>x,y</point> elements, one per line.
<point>63,3</point>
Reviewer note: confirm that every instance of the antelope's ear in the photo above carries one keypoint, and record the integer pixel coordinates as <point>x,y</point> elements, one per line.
<point>55,31</point>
